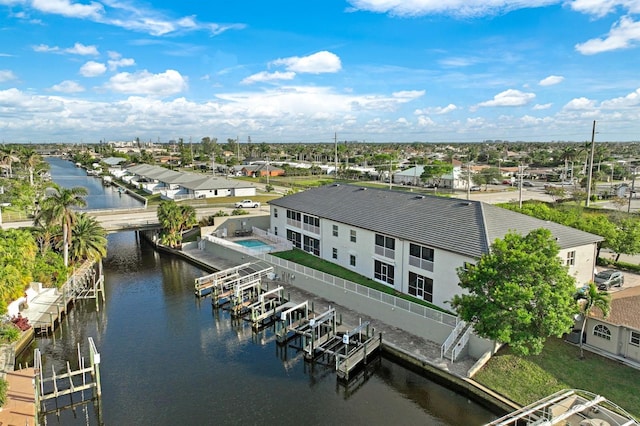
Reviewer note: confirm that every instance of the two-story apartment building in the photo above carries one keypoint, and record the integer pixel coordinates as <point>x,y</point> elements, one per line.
<point>412,243</point>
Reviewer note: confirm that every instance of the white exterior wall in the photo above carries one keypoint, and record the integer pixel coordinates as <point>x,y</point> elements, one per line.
<point>211,193</point>
<point>445,264</point>
<point>585,263</point>
<point>243,192</point>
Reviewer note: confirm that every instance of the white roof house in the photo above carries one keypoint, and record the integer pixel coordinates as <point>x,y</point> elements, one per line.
<point>412,243</point>
<point>183,185</point>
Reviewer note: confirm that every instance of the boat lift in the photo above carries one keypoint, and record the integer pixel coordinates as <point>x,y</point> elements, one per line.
<point>290,319</point>
<point>205,285</point>
<point>245,295</point>
<point>268,306</point>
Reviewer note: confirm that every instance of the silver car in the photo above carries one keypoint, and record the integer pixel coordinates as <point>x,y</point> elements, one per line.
<point>609,278</point>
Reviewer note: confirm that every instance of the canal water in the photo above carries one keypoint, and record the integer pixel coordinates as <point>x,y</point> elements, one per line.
<point>67,175</point>
<point>169,358</point>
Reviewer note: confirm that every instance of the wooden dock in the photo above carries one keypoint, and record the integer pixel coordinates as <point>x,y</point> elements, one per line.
<point>46,310</point>
<point>227,279</point>
<point>64,388</point>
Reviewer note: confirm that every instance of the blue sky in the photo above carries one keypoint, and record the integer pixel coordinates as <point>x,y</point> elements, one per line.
<point>304,71</point>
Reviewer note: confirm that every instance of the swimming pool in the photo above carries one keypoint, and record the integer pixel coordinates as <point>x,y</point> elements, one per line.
<point>254,244</point>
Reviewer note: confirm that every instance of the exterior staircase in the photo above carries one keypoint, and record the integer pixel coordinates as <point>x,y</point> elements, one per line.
<point>456,342</point>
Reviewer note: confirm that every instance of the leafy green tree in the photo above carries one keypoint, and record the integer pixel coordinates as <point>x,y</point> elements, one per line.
<point>486,176</point>
<point>589,299</point>
<point>49,269</point>
<point>519,293</point>
<point>435,171</point>
<point>17,256</point>
<point>88,239</point>
<point>175,219</point>
<point>627,239</point>
<point>57,208</point>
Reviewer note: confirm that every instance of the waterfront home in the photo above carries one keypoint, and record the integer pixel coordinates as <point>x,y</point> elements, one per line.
<point>183,185</point>
<point>619,333</point>
<point>412,243</point>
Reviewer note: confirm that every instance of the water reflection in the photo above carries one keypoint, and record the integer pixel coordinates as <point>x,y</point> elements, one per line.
<point>168,358</point>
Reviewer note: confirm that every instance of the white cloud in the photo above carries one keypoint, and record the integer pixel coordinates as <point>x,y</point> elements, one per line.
<point>317,63</point>
<point>629,101</point>
<point>509,97</point>
<point>459,8</point>
<point>68,86</point>
<point>580,104</point>
<point>67,8</point>
<point>45,48</point>
<point>600,8</point>
<point>408,95</point>
<point>551,80</point>
<point>6,75</point>
<point>81,49</point>
<point>92,69</point>
<point>167,83</point>
<point>117,61</point>
<point>265,76</point>
<point>77,49</point>
<point>624,34</point>
<point>539,107</point>
<point>436,110</point>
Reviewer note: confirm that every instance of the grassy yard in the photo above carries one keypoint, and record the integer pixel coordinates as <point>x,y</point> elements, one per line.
<point>528,379</point>
<point>302,258</point>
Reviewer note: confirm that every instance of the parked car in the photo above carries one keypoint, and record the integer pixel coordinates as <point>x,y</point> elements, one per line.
<point>527,183</point>
<point>475,188</point>
<point>609,278</point>
<point>507,182</point>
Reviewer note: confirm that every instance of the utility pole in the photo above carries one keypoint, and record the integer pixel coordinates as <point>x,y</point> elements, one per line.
<point>335,144</point>
<point>520,173</point>
<point>633,188</point>
<point>468,180</point>
<point>589,175</point>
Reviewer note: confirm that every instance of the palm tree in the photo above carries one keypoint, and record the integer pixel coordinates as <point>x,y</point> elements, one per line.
<point>591,298</point>
<point>57,207</point>
<point>175,219</point>
<point>88,239</point>
<point>30,159</point>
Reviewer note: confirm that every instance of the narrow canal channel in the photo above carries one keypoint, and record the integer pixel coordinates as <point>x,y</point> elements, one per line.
<point>169,358</point>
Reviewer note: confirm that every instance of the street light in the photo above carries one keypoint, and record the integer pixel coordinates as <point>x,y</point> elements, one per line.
<point>633,184</point>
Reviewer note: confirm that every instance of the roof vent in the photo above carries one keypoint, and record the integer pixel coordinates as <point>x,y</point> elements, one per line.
<point>419,197</point>
<point>336,184</point>
<point>363,189</point>
<point>467,203</point>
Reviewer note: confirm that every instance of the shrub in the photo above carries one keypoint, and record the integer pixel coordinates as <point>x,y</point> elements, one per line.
<point>9,333</point>
<point>239,212</point>
<point>4,387</point>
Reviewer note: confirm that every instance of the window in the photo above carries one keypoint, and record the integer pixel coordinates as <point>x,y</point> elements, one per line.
<point>353,236</point>
<point>385,246</point>
<point>335,230</point>
<point>602,331</point>
<point>295,238</point>
<point>352,259</point>
<point>334,253</point>
<point>275,230</point>
<point>312,224</point>
<point>293,218</point>
<point>311,245</point>
<point>571,258</point>
<point>383,272</point>
<point>421,256</point>
<point>420,287</point>
<point>275,212</point>
<point>635,338</point>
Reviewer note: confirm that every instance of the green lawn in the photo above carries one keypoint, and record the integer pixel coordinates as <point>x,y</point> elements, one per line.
<point>528,379</point>
<point>306,259</point>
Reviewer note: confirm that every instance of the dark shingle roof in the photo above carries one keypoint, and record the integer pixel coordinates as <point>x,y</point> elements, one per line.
<point>456,225</point>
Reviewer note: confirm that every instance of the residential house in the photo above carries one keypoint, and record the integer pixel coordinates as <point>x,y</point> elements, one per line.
<point>619,333</point>
<point>262,170</point>
<point>412,243</point>
<point>181,185</point>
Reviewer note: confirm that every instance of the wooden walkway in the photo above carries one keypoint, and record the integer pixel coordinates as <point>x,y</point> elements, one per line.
<point>20,408</point>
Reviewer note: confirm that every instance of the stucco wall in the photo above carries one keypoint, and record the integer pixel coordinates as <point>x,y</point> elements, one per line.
<point>236,223</point>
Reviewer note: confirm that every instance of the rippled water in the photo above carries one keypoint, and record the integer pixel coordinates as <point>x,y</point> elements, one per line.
<point>168,358</point>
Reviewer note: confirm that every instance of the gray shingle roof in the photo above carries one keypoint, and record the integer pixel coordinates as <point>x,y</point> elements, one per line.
<point>452,224</point>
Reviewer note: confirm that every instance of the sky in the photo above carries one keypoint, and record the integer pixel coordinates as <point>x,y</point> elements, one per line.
<point>317,70</point>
